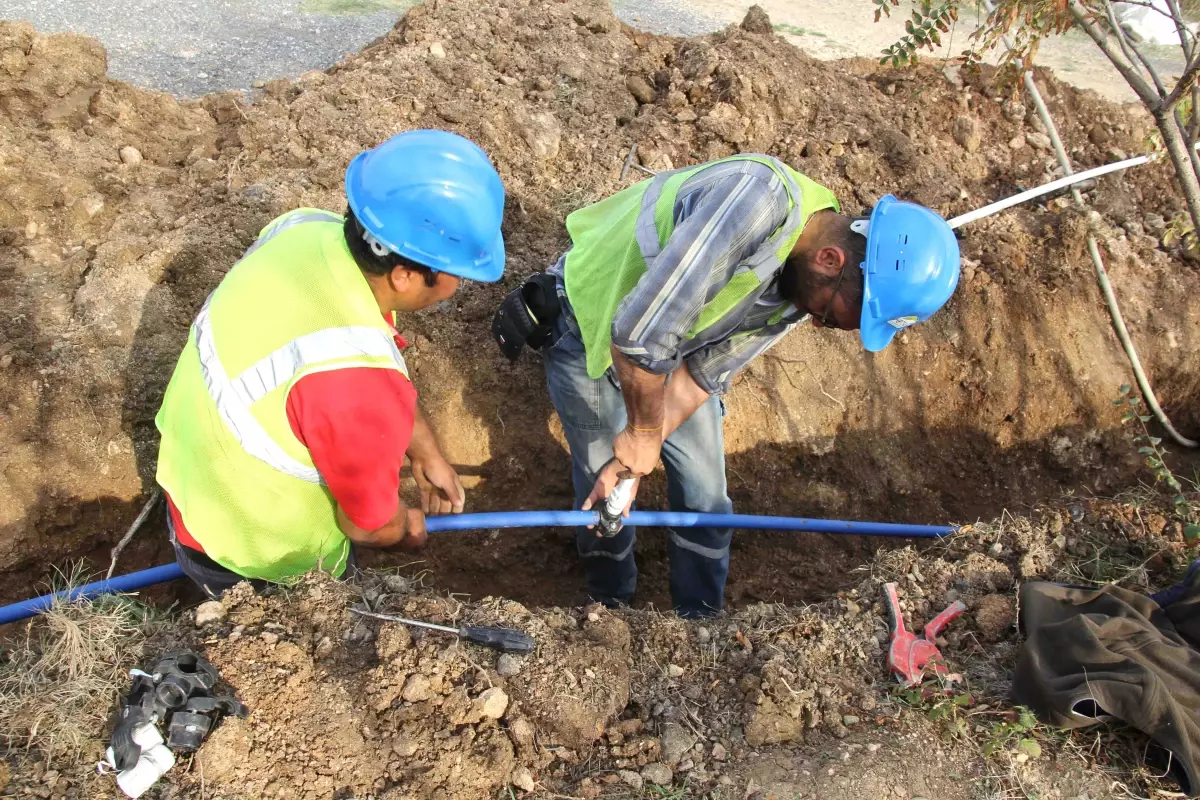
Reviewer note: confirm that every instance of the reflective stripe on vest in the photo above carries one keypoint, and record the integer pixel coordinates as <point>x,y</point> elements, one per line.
<point>233,398</point>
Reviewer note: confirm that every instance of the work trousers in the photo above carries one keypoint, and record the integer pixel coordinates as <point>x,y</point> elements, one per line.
<point>213,579</point>
<point>592,412</point>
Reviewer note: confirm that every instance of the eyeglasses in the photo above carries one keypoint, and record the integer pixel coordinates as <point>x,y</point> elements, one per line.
<point>826,320</point>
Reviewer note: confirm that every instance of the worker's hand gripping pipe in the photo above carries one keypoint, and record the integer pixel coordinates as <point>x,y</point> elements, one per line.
<point>611,520</point>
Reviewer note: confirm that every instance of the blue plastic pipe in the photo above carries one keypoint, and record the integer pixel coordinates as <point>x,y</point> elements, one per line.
<point>516,519</point>
<point>122,583</point>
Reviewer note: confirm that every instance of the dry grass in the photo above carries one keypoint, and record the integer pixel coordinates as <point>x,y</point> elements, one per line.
<point>58,686</point>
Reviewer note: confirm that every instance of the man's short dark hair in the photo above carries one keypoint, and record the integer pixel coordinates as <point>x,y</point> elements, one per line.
<point>854,246</point>
<point>373,264</point>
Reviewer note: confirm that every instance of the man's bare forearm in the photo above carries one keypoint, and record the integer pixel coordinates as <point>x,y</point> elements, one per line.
<point>423,446</point>
<point>644,394</point>
<point>682,397</point>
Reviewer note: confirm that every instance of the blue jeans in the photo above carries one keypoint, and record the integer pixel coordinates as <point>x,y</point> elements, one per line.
<point>592,412</point>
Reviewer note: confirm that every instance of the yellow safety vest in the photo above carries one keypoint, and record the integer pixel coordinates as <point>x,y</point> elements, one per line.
<point>613,240</point>
<point>245,486</point>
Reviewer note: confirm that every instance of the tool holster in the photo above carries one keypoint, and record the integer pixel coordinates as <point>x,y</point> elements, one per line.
<point>527,315</point>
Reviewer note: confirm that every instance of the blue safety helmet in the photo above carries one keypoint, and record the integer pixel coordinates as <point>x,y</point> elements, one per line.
<point>911,269</point>
<point>434,198</point>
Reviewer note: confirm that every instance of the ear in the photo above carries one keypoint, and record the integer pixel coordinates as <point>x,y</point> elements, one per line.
<point>829,260</point>
<point>400,279</point>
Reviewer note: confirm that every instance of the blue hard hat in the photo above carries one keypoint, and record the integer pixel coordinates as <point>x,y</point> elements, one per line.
<point>434,198</point>
<point>911,270</point>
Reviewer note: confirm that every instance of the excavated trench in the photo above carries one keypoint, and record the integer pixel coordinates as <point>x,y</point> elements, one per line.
<point>1001,401</point>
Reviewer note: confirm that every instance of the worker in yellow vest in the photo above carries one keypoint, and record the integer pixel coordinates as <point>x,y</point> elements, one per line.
<point>286,422</point>
<point>671,287</point>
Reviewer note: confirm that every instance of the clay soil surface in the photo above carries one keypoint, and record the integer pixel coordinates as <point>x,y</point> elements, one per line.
<point>1002,401</point>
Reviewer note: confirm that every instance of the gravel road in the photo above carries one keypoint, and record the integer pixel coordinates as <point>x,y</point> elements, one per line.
<point>191,47</point>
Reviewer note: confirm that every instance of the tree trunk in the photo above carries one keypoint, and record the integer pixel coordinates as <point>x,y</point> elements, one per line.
<point>1177,150</point>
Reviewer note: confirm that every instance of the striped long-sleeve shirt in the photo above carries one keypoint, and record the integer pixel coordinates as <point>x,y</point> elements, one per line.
<point>723,214</point>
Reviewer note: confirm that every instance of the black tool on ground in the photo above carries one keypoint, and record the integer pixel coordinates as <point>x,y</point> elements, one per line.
<point>506,640</point>
<point>527,315</point>
<point>177,695</point>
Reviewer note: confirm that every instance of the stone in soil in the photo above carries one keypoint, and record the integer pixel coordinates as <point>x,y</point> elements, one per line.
<point>657,773</point>
<point>209,613</point>
<point>674,742</point>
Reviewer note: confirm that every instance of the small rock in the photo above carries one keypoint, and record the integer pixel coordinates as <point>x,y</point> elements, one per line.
<point>508,665</point>
<point>269,637</point>
<point>417,689</point>
<point>703,635</point>
<point>852,607</point>
<point>674,742</point>
<point>994,615</point>
<point>405,747</point>
<point>996,549</point>
<point>31,230</point>
<point>874,747</point>
<point>208,613</point>
<point>685,766</point>
<point>593,616</point>
<point>849,720</point>
<point>493,702</point>
<point>522,779</point>
<point>675,671</point>
<point>130,155</point>
<point>437,50</point>
<point>952,596</point>
<point>837,150</point>
<point>658,774</point>
<point>1017,142</point>
<point>719,753</point>
<point>631,779</point>
<point>966,132</point>
<point>640,88</point>
<point>1039,140</point>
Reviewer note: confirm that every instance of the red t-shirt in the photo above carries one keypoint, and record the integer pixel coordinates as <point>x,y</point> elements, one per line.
<point>356,424</point>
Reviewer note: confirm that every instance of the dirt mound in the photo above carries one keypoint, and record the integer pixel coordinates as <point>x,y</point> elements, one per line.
<point>106,253</point>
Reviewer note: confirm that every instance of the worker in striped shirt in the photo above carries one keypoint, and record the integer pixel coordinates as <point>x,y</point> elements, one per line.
<point>670,288</point>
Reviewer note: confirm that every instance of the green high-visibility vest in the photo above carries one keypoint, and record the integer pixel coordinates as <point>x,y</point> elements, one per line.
<point>245,486</point>
<point>613,240</point>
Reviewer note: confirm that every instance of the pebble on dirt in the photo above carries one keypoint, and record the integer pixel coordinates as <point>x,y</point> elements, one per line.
<point>437,50</point>
<point>417,688</point>
<point>208,613</point>
<point>508,665</point>
<point>631,779</point>
<point>674,742</point>
<point>658,773</point>
<point>523,780</point>
<point>130,155</point>
<point>493,703</point>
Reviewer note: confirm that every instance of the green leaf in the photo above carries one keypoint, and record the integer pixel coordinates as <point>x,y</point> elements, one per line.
<point>1125,388</point>
<point>1191,532</point>
<point>1147,451</point>
<point>1145,417</point>
<point>1154,440</point>
<point>1030,747</point>
<point>1026,718</point>
<point>1129,417</point>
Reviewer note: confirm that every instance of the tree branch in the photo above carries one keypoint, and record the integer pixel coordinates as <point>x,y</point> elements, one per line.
<point>1184,85</point>
<point>1129,72</point>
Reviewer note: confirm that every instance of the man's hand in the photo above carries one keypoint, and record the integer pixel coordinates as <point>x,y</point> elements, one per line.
<point>441,490</point>
<point>638,450</point>
<point>406,530</point>
<point>607,479</point>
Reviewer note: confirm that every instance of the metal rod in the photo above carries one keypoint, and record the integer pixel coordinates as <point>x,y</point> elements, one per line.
<point>405,620</point>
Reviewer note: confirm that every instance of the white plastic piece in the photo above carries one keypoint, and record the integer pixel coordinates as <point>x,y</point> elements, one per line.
<point>145,736</point>
<point>154,763</point>
<point>1078,177</point>
<point>1150,22</point>
<point>619,498</point>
